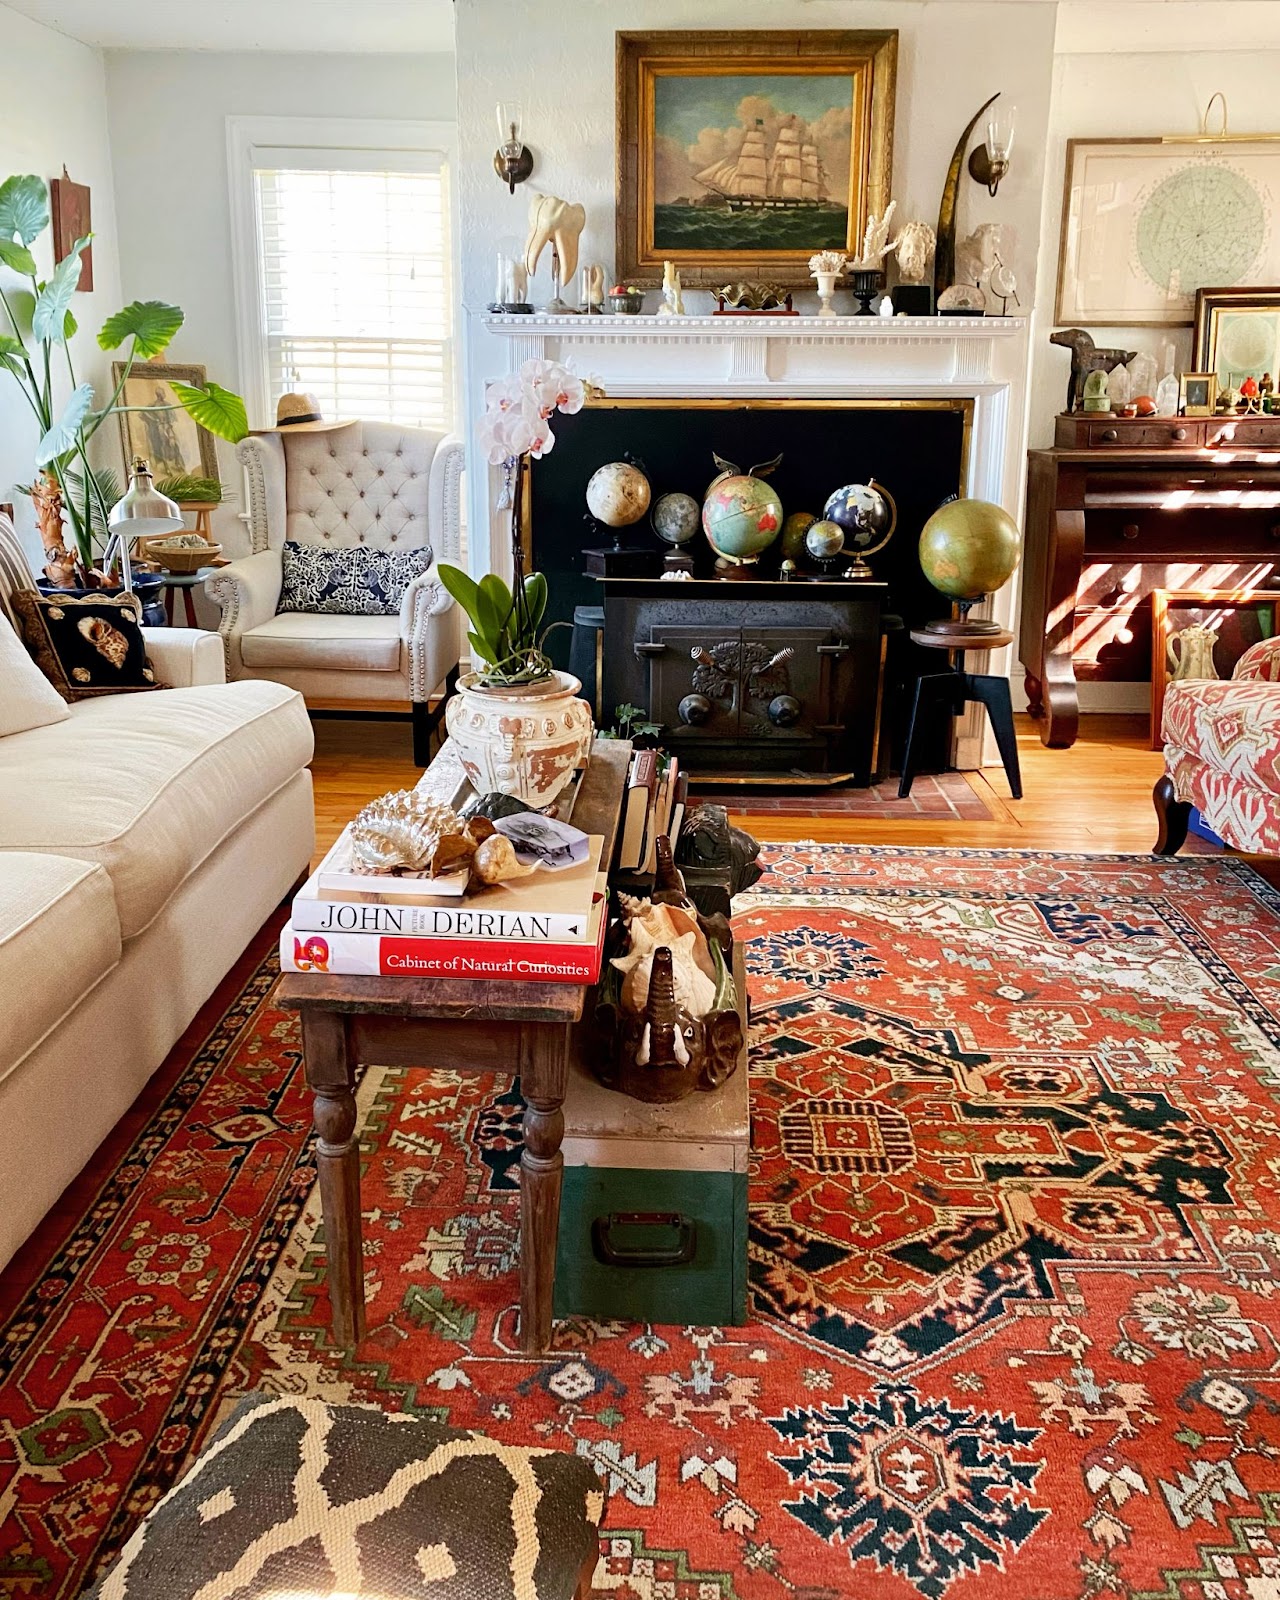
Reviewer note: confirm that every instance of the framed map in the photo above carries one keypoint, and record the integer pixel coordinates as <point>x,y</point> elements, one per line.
<point>1237,334</point>
<point>1148,222</point>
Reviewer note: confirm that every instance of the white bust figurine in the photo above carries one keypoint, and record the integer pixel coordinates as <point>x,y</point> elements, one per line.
<point>916,244</point>
<point>672,299</point>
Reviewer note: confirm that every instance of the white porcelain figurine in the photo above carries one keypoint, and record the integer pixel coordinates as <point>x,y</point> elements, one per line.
<point>672,300</point>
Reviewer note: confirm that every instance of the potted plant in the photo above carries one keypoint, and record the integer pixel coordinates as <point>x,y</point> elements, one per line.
<point>517,723</point>
<point>36,325</point>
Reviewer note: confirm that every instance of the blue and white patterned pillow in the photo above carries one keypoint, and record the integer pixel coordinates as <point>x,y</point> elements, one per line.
<point>357,581</point>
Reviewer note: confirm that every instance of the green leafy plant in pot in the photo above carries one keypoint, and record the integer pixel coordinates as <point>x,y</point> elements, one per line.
<point>517,722</point>
<point>36,326</point>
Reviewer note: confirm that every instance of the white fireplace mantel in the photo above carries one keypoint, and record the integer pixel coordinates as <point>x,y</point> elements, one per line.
<point>981,360</point>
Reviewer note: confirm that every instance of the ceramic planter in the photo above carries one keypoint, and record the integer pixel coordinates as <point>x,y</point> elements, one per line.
<point>525,739</point>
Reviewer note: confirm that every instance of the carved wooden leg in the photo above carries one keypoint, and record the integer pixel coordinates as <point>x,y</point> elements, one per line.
<point>331,1077</point>
<point>1172,817</point>
<point>544,1057</point>
<point>1035,695</point>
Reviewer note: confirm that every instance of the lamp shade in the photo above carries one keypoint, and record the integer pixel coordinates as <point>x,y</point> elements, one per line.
<point>143,511</point>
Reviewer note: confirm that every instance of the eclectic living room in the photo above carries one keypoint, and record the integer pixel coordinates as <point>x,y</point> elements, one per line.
<point>639,800</point>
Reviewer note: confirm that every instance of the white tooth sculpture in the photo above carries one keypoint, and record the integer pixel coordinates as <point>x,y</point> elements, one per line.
<point>560,222</point>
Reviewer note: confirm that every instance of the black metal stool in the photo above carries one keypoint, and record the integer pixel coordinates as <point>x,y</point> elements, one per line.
<point>953,689</point>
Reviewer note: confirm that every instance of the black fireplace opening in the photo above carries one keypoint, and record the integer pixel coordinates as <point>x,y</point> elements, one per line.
<point>913,448</point>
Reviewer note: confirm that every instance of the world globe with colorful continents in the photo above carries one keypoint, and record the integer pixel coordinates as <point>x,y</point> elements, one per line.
<point>969,548</point>
<point>675,518</point>
<point>741,517</point>
<point>618,494</point>
<point>865,512</point>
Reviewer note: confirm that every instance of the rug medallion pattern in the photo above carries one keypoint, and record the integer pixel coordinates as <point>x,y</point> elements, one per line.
<point>1014,1257</point>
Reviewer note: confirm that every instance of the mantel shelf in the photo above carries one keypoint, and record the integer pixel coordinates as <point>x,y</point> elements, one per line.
<point>614,328</point>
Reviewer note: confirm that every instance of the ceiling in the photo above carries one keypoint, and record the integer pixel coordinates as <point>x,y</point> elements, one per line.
<point>378,26</point>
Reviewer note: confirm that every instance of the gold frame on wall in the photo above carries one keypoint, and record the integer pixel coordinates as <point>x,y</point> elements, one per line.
<point>869,57</point>
<point>1212,304</point>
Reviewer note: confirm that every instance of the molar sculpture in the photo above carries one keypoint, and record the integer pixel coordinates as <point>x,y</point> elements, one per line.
<point>560,223</point>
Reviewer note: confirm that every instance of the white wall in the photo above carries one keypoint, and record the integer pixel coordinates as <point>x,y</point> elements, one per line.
<point>951,57</point>
<point>1098,95</point>
<point>168,114</point>
<point>55,113</point>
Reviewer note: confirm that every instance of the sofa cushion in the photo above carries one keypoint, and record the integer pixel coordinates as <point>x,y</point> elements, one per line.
<point>29,699</point>
<point>1233,726</point>
<point>87,645</point>
<point>320,643</point>
<point>59,934</point>
<point>148,785</point>
<point>356,581</point>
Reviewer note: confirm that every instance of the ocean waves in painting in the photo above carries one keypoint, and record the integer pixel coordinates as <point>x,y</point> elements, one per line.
<point>689,227</point>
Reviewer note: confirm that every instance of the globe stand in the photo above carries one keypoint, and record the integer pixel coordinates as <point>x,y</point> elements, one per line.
<point>736,571</point>
<point>976,630</point>
<point>617,560</point>
<point>676,561</point>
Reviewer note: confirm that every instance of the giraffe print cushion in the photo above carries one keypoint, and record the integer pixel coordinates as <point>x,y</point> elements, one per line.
<point>296,1497</point>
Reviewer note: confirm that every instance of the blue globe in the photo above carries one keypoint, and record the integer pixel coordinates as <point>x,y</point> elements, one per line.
<point>864,512</point>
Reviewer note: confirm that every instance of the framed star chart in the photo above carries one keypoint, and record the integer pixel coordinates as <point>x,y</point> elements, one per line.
<point>1148,222</point>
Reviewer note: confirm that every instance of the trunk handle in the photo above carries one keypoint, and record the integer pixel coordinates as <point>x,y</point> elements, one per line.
<point>678,1253</point>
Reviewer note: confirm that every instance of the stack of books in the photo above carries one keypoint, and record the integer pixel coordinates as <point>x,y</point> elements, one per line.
<point>546,928</point>
<point>657,792</point>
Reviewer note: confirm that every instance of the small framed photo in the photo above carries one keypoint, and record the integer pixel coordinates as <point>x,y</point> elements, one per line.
<point>1197,392</point>
<point>1238,334</point>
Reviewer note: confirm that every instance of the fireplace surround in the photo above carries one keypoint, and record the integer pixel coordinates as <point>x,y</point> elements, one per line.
<point>744,377</point>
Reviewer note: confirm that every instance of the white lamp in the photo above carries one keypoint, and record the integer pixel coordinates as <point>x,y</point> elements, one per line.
<point>141,513</point>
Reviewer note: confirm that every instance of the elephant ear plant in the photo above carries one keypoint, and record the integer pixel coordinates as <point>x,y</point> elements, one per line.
<point>36,326</point>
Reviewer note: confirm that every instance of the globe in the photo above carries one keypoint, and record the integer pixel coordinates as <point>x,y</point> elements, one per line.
<point>741,517</point>
<point>969,548</point>
<point>618,494</point>
<point>824,540</point>
<point>675,518</point>
<point>865,512</point>
<point>793,532</point>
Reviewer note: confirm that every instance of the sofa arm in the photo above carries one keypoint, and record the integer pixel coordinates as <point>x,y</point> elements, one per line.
<point>444,499</point>
<point>428,632</point>
<point>247,592</point>
<point>1260,661</point>
<point>185,657</point>
<point>262,457</point>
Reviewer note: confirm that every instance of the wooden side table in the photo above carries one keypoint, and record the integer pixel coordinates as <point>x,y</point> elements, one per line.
<point>463,1025</point>
<point>183,583</point>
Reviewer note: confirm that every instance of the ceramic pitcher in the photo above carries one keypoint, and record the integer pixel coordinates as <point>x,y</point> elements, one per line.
<point>1190,652</point>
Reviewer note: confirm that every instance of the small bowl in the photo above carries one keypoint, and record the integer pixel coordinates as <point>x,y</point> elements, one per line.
<point>627,305</point>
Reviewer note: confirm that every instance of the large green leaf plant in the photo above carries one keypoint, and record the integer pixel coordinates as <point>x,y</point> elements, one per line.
<point>36,326</point>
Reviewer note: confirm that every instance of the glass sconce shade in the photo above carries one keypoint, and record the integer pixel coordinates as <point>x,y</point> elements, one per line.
<point>510,123</point>
<point>1001,126</point>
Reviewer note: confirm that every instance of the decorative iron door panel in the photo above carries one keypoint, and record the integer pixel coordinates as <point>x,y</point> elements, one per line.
<point>743,684</point>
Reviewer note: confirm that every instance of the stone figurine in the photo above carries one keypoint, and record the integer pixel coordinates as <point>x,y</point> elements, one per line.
<point>672,300</point>
<point>916,244</point>
<point>1086,357</point>
<point>1096,397</point>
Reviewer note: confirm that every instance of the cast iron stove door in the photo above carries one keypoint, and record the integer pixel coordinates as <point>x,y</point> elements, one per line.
<point>758,691</point>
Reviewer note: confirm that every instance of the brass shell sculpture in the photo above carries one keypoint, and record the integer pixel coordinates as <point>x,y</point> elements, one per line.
<point>408,832</point>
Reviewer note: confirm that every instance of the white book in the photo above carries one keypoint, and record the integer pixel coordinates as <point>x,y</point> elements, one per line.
<point>312,913</point>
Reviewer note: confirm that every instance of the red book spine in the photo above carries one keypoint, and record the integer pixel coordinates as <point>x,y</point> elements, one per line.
<point>372,954</point>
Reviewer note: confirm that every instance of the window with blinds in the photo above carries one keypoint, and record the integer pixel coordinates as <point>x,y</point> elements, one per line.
<point>353,257</point>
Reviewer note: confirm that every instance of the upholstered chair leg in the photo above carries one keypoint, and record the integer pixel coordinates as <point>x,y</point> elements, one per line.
<point>1172,816</point>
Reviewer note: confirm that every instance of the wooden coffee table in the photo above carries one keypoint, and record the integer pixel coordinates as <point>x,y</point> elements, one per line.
<point>464,1025</point>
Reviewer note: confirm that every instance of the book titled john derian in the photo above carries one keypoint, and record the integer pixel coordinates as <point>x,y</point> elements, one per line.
<point>546,906</point>
<point>520,961</point>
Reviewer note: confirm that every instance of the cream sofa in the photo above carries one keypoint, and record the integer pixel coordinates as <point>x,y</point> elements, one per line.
<point>143,841</point>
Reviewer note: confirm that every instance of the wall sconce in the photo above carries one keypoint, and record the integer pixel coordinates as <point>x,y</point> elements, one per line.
<point>990,162</point>
<point>512,160</point>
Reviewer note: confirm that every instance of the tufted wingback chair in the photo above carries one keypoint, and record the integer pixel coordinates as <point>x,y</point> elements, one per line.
<point>367,483</point>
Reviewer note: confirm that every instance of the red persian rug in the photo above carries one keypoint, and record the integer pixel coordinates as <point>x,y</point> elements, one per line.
<point>1015,1258</point>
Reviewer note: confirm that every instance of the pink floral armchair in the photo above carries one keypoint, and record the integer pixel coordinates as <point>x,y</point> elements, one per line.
<point>1222,756</point>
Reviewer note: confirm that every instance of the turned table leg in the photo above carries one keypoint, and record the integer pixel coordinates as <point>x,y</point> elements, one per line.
<point>331,1078</point>
<point>1173,817</point>
<point>544,1057</point>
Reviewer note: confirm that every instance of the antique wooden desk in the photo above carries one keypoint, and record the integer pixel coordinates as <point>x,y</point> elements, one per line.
<point>1141,504</point>
<point>464,1025</point>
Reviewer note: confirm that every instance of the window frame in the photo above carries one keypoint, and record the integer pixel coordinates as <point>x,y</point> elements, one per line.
<point>249,138</point>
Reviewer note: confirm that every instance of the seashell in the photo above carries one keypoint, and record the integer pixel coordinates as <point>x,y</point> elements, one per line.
<point>109,642</point>
<point>408,832</point>
<point>479,829</point>
<point>695,992</point>
<point>649,926</point>
<point>496,861</point>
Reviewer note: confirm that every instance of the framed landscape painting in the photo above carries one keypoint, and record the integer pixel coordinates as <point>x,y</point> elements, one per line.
<point>740,154</point>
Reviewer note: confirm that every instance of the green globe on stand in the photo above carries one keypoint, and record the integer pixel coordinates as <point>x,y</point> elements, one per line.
<point>968,549</point>
<point>741,518</point>
<point>794,530</point>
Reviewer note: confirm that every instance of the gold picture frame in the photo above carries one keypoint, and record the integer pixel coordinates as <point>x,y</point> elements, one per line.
<point>172,443</point>
<point>701,178</point>
<point>1237,333</point>
<point>1197,392</point>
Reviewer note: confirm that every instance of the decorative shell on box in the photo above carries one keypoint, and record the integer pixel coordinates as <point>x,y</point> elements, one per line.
<point>409,832</point>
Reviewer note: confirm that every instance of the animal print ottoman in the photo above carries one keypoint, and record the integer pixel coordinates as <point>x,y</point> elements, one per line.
<point>297,1497</point>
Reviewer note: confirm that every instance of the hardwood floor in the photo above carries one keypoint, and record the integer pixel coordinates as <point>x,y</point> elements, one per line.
<point>1094,797</point>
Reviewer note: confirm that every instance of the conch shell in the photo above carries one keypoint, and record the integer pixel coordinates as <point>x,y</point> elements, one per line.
<point>408,832</point>
<point>109,642</point>
<point>695,992</point>
<point>495,858</point>
<point>649,926</point>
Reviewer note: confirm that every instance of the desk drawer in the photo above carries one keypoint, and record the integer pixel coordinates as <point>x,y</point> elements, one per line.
<point>1139,435</point>
<point>1140,534</point>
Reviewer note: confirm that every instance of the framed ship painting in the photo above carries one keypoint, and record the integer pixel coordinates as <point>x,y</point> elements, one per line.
<point>740,154</point>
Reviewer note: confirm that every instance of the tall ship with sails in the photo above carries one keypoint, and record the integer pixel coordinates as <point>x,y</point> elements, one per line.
<point>756,179</point>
